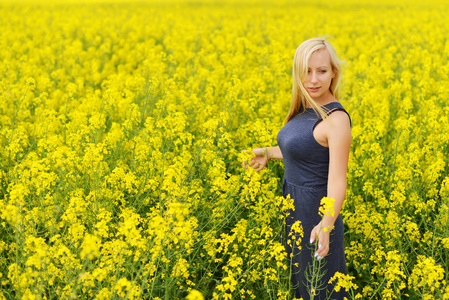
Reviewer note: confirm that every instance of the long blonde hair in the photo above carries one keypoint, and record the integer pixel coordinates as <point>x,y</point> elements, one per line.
<point>300,97</point>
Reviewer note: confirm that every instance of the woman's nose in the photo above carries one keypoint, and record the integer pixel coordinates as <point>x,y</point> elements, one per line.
<point>314,77</point>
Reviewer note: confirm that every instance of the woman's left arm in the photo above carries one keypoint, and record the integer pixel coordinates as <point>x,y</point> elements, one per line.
<point>338,132</point>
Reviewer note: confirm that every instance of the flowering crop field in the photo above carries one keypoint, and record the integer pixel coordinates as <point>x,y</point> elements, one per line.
<point>122,126</point>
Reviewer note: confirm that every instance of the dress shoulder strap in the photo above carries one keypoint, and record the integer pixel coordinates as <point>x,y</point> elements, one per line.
<point>337,109</point>
<point>331,110</point>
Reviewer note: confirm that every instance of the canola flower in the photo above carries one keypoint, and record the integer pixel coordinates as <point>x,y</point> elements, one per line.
<point>121,130</point>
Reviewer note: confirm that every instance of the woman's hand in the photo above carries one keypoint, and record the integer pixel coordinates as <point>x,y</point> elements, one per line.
<point>319,232</point>
<point>259,159</point>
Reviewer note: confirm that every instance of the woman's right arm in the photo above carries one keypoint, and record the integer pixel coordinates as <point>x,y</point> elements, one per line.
<point>261,157</point>
<point>274,152</point>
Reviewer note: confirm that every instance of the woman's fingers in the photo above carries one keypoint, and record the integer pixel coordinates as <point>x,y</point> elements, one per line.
<point>256,161</point>
<point>251,164</point>
<point>323,245</point>
<point>323,242</point>
<point>322,251</point>
<point>313,235</point>
<point>245,163</point>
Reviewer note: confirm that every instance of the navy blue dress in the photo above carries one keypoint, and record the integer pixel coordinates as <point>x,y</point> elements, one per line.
<point>306,166</point>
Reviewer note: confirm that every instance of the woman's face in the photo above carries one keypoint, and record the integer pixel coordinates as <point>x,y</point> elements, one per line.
<point>319,76</point>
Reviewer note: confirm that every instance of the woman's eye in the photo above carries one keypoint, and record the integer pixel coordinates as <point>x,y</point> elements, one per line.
<point>323,71</point>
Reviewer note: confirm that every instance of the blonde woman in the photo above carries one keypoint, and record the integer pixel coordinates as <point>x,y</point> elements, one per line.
<point>314,144</point>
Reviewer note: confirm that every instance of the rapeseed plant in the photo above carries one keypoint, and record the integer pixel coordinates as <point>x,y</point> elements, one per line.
<point>121,130</point>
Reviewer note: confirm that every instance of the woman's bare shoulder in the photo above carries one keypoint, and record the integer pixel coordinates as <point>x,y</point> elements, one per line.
<point>339,118</point>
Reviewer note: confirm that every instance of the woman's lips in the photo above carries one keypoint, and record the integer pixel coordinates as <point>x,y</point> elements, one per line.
<point>314,89</point>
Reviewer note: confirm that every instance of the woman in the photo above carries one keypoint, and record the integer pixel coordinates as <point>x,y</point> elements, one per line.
<point>314,144</point>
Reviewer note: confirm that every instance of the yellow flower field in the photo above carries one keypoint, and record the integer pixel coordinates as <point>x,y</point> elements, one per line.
<point>122,125</point>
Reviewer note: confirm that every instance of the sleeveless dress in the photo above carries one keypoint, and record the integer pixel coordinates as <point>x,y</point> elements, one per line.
<point>306,165</point>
